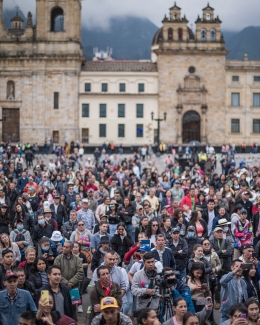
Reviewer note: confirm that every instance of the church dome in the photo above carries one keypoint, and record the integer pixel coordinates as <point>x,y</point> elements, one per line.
<point>159,35</point>
<point>17,18</point>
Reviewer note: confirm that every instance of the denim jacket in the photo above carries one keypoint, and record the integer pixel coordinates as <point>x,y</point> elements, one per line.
<point>10,313</point>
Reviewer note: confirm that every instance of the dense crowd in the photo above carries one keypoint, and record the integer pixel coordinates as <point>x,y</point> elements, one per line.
<point>148,247</point>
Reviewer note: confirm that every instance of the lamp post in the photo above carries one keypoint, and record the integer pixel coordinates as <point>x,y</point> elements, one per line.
<point>159,120</point>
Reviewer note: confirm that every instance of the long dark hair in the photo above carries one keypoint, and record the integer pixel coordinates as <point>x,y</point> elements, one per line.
<point>198,266</point>
<point>176,214</point>
<point>34,265</point>
<point>187,316</point>
<point>249,284</point>
<point>148,231</point>
<point>143,314</point>
<point>193,218</point>
<point>5,218</point>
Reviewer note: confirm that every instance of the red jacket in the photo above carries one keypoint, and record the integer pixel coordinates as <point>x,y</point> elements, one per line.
<point>187,200</point>
<point>130,253</point>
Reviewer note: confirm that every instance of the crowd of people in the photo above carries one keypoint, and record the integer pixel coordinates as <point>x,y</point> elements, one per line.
<point>150,244</point>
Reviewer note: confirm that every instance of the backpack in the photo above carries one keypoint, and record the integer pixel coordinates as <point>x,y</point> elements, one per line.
<point>19,236</point>
<point>66,320</point>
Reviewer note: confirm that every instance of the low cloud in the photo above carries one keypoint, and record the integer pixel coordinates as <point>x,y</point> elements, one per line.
<point>235,14</point>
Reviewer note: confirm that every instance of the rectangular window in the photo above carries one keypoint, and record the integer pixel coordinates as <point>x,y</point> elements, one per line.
<point>140,88</point>
<point>256,78</point>
<point>85,135</point>
<point>235,99</point>
<point>87,87</point>
<point>235,78</point>
<point>256,126</point>
<point>104,87</point>
<point>121,130</point>
<point>102,130</point>
<point>103,110</point>
<point>85,110</point>
<point>256,99</point>
<point>121,110</point>
<point>139,110</point>
<point>56,101</point>
<point>122,88</point>
<point>55,136</point>
<point>139,130</point>
<point>235,126</point>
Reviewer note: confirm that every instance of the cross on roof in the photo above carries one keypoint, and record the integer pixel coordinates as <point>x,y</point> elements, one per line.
<point>17,9</point>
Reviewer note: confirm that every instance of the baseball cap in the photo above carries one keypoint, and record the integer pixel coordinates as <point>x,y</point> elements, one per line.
<point>218,229</point>
<point>177,182</point>
<point>108,302</point>
<point>139,207</point>
<point>144,249</point>
<point>85,200</point>
<point>192,228</point>
<point>57,196</point>
<point>243,183</point>
<point>245,193</point>
<point>176,229</point>
<point>4,205</point>
<point>247,246</point>
<point>243,211</point>
<point>9,275</point>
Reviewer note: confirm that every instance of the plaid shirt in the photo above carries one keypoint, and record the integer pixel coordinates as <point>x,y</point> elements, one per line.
<point>87,216</point>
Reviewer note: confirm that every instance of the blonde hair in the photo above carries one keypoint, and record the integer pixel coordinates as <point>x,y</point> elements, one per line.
<point>29,250</point>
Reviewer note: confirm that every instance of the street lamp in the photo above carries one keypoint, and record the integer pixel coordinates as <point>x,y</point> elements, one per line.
<point>159,120</point>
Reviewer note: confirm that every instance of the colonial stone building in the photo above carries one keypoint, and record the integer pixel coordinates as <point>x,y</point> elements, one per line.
<point>48,90</point>
<point>39,73</point>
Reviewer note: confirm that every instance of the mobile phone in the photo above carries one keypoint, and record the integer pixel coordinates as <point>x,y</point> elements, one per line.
<point>145,242</point>
<point>242,316</point>
<point>254,255</point>
<point>201,301</point>
<point>45,296</point>
<point>208,301</point>
<point>204,285</point>
<point>247,266</point>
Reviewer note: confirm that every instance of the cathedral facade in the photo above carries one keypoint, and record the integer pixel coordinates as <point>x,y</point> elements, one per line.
<point>48,90</point>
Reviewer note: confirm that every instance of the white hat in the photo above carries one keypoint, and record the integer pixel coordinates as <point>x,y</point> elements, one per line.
<point>85,200</point>
<point>56,236</point>
<point>46,204</point>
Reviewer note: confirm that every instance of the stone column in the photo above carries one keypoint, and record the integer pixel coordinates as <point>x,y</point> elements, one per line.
<point>179,124</point>
<point>203,126</point>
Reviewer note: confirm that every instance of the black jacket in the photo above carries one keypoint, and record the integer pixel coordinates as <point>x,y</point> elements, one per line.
<point>97,260</point>
<point>66,294</point>
<point>191,243</point>
<point>36,280</point>
<point>225,258</point>
<point>248,206</point>
<point>205,215</point>
<point>126,218</point>
<point>180,259</point>
<point>61,214</point>
<point>28,286</point>
<point>28,221</point>
<point>121,246</point>
<point>39,232</point>
<point>13,196</point>
<point>255,222</point>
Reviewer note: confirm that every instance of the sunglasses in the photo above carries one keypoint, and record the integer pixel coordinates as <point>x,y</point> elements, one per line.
<point>155,225</point>
<point>82,224</point>
<point>206,244</point>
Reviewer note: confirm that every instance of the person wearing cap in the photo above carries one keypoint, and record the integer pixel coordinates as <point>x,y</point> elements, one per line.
<point>21,237</point>
<point>247,251</point>
<point>103,288</point>
<point>243,231</point>
<point>246,203</point>
<point>33,199</point>
<point>98,255</point>
<point>233,289</point>
<point>103,218</point>
<point>58,212</point>
<point>30,184</point>
<point>48,213</point>
<point>57,242</point>
<point>110,313</point>
<point>86,215</point>
<point>222,214</point>
<point>14,301</point>
<point>191,239</point>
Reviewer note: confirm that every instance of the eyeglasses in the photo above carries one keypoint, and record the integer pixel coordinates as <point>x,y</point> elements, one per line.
<point>206,244</point>
<point>82,224</point>
<point>155,225</point>
<point>121,229</point>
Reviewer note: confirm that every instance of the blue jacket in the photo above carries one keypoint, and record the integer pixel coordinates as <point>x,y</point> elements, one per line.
<point>95,240</point>
<point>21,184</point>
<point>10,313</point>
<point>229,292</point>
<point>168,257</point>
<point>183,290</point>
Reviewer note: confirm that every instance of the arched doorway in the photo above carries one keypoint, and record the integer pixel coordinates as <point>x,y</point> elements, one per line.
<point>190,127</point>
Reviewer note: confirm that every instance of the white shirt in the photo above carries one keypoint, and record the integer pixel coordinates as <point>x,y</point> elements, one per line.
<point>112,192</point>
<point>137,267</point>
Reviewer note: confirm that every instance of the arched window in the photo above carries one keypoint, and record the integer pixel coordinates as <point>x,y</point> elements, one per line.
<point>180,34</point>
<point>170,34</point>
<point>212,35</point>
<point>15,25</point>
<point>203,35</point>
<point>208,16</point>
<point>57,20</point>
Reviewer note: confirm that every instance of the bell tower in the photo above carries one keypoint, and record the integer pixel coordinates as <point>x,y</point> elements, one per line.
<point>59,22</point>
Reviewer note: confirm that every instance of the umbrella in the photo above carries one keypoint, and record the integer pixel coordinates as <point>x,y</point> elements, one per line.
<point>195,143</point>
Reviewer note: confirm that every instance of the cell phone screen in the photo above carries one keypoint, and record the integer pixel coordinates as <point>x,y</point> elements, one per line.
<point>145,242</point>
<point>242,316</point>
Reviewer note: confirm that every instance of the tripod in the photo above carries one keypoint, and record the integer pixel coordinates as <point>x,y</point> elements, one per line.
<point>165,311</point>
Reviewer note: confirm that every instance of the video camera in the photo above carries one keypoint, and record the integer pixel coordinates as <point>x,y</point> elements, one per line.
<point>164,282</point>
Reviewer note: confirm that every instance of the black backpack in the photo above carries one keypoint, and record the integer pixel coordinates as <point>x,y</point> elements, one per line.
<point>19,236</point>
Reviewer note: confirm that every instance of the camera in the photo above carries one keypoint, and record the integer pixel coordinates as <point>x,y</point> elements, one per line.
<point>164,282</point>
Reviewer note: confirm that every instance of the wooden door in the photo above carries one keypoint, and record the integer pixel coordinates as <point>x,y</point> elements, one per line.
<point>85,135</point>
<point>11,125</point>
<point>190,127</point>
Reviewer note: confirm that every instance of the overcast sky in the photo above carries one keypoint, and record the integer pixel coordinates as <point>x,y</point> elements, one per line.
<point>235,14</point>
